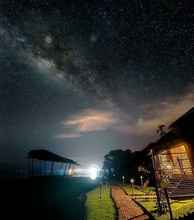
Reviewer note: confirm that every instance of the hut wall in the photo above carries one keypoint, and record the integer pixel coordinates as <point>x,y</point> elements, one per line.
<point>176,160</point>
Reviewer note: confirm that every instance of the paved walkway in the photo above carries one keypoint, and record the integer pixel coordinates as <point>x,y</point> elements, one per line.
<point>127,208</point>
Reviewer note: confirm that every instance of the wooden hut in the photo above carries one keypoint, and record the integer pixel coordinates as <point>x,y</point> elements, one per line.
<point>173,155</point>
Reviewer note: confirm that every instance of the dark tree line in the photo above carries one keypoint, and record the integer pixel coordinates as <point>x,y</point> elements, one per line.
<point>119,163</point>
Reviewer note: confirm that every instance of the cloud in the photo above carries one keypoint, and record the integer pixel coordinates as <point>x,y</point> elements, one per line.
<point>89,120</point>
<point>69,135</point>
<point>163,112</point>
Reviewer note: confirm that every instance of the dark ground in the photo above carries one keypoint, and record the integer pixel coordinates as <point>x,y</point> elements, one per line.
<point>46,198</point>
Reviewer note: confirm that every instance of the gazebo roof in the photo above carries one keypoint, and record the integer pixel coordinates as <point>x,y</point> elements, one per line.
<point>46,155</point>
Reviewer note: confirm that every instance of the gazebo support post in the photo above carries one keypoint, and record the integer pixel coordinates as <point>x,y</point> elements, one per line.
<point>52,167</point>
<point>32,167</point>
<point>29,168</point>
<point>64,167</point>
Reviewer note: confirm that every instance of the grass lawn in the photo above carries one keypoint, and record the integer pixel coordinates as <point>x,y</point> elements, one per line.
<point>100,209</point>
<point>147,192</point>
<point>131,190</point>
<point>179,208</point>
<point>134,190</point>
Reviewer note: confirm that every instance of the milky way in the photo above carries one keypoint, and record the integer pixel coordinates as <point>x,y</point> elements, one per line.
<point>115,69</point>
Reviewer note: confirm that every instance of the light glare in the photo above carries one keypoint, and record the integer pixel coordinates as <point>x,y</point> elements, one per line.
<point>93,172</point>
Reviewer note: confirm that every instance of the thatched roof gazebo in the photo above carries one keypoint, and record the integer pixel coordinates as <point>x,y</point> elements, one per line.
<point>41,155</point>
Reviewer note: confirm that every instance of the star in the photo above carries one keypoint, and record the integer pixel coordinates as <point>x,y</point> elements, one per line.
<point>93,38</point>
<point>48,39</point>
<point>124,57</point>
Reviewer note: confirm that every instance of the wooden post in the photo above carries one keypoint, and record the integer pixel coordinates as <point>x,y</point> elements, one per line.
<point>168,203</point>
<point>156,182</point>
<point>100,191</point>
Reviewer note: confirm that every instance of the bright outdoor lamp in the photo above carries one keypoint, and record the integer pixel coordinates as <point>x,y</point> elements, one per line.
<point>93,172</point>
<point>132,181</point>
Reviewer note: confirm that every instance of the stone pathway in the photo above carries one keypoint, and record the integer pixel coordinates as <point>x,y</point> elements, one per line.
<point>127,208</point>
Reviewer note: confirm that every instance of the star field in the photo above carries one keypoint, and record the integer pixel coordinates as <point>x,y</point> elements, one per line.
<point>128,64</point>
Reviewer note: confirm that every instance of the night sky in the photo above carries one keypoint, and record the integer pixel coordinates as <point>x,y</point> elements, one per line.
<point>81,78</point>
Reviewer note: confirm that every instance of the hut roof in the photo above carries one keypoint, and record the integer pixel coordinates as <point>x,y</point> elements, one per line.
<point>185,121</point>
<point>49,156</point>
<point>182,128</point>
<point>163,142</point>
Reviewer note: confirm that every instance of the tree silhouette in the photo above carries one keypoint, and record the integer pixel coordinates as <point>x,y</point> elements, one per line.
<point>118,163</point>
<point>161,130</point>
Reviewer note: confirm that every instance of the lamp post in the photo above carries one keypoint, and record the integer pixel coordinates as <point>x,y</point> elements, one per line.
<point>132,182</point>
<point>141,178</point>
<point>123,179</point>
